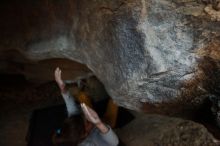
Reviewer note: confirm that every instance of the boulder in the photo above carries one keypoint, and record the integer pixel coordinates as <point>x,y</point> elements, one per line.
<point>151,55</point>
<point>155,130</point>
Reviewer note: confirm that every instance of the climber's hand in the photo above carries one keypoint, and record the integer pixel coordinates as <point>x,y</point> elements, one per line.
<point>90,114</point>
<point>59,80</point>
<point>93,117</point>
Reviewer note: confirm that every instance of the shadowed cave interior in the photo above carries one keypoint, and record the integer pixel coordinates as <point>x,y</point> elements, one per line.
<point>40,103</point>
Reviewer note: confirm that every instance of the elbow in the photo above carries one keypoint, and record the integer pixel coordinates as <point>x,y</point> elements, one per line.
<point>117,141</point>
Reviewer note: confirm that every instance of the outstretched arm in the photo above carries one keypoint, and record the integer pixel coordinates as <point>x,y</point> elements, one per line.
<point>105,131</point>
<point>71,105</point>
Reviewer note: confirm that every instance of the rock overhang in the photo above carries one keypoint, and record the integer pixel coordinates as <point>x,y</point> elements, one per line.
<point>143,51</point>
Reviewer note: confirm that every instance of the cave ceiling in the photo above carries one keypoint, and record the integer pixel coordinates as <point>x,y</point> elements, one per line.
<point>149,54</point>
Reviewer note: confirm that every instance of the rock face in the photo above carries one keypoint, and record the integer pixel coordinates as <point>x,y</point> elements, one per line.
<point>154,130</point>
<point>149,54</point>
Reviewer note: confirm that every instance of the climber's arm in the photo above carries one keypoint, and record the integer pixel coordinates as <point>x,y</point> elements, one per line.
<point>105,131</point>
<point>71,105</point>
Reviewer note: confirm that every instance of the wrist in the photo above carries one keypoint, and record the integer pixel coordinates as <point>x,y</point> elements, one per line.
<point>102,127</point>
<point>62,88</point>
<point>98,124</point>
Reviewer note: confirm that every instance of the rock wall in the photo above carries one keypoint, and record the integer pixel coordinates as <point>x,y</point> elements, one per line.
<point>149,54</point>
<point>161,130</point>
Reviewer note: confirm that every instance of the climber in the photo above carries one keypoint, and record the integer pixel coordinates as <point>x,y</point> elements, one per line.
<point>89,90</point>
<point>81,130</point>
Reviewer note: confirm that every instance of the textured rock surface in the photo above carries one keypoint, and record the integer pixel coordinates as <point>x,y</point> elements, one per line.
<point>148,53</point>
<point>154,130</point>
